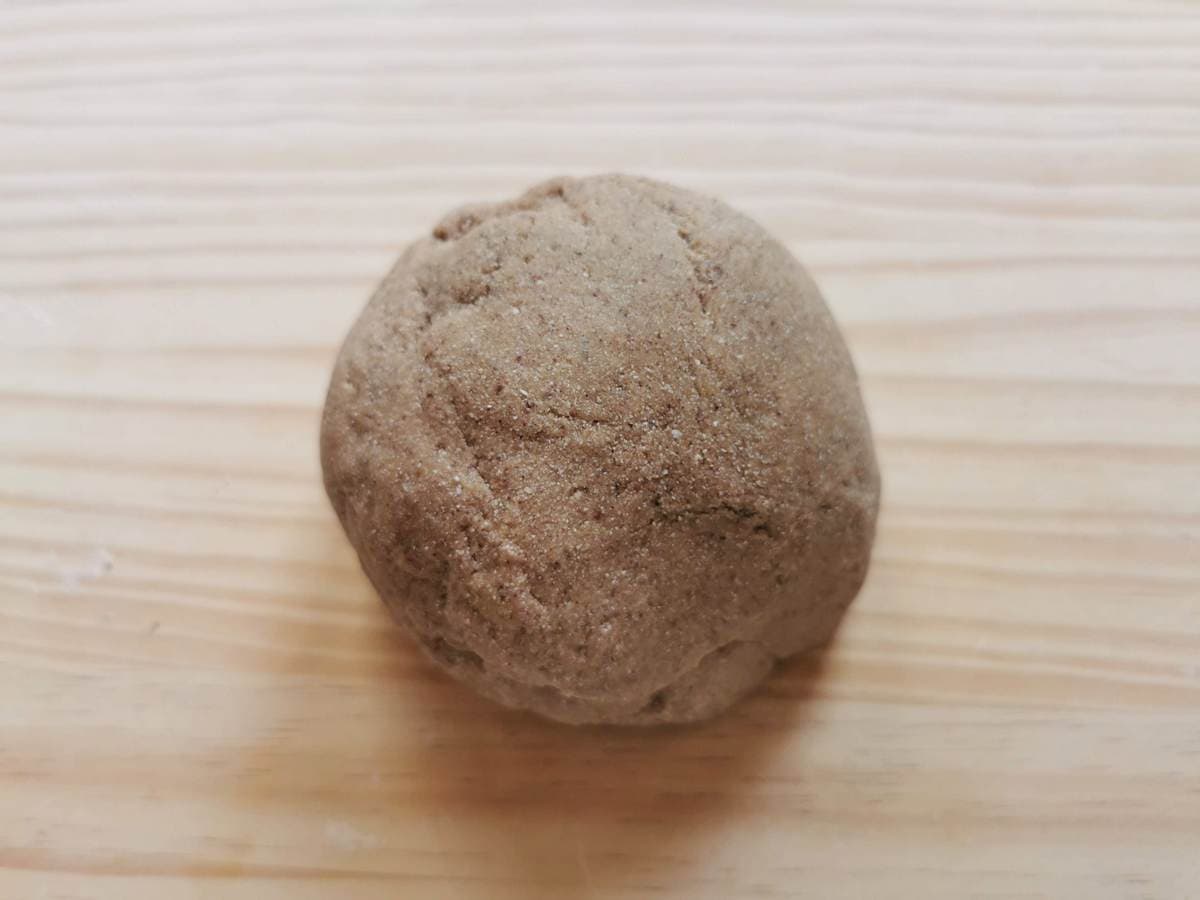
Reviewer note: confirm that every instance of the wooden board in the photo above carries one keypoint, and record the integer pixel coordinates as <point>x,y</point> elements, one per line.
<point>199,695</point>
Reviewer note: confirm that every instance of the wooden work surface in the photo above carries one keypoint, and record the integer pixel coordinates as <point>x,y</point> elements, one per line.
<point>199,694</point>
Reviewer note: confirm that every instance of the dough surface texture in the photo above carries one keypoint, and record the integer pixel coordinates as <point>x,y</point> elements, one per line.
<point>602,450</point>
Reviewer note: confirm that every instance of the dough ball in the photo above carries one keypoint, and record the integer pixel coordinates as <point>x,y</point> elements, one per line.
<point>601,449</point>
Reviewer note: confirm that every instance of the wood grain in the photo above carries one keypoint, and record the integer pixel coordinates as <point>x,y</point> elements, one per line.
<point>200,696</point>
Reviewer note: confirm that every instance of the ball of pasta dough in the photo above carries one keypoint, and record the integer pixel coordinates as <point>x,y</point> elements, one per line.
<point>602,450</point>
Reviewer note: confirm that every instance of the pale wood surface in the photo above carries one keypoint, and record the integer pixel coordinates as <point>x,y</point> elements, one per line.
<point>199,695</point>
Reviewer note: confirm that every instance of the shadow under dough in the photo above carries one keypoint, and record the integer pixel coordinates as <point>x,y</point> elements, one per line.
<point>585,811</point>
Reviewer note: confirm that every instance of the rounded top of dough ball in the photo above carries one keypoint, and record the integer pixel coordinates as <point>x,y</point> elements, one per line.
<point>602,449</point>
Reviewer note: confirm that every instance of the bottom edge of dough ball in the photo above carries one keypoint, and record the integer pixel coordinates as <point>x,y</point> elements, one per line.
<point>716,683</point>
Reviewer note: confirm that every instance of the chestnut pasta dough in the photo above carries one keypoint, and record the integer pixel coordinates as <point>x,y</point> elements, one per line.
<point>602,450</point>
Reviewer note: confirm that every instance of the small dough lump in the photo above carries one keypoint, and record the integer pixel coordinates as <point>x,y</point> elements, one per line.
<point>602,450</point>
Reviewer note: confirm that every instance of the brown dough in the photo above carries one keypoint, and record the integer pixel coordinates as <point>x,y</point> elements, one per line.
<point>602,450</point>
